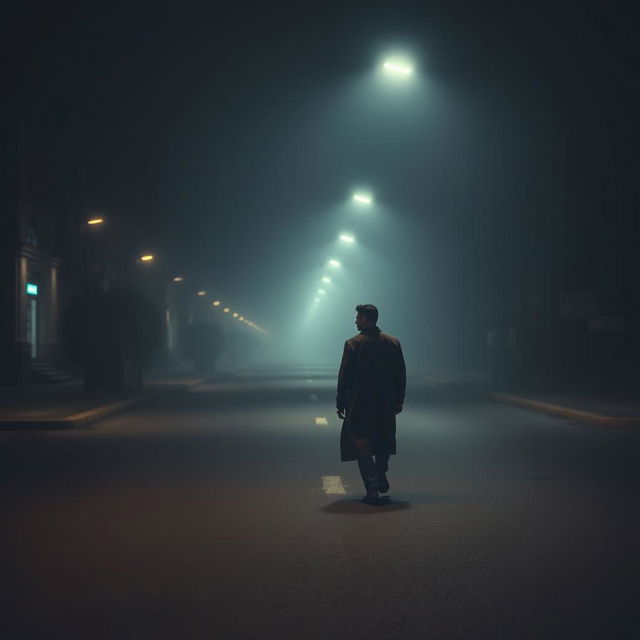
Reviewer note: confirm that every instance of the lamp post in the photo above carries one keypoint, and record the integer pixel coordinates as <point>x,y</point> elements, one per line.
<point>90,223</point>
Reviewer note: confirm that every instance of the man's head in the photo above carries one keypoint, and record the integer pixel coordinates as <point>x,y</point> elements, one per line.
<point>366,316</point>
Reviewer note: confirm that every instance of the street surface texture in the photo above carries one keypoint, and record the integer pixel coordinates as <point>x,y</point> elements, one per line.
<point>224,512</point>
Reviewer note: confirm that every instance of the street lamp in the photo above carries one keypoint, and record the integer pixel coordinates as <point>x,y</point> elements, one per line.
<point>90,222</point>
<point>334,263</point>
<point>147,258</point>
<point>235,314</point>
<point>178,279</point>
<point>397,69</point>
<point>322,292</point>
<point>362,198</point>
<point>326,279</point>
<point>226,310</point>
<point>201,293</point>
<point>216,303</point>
<point>347,238</point>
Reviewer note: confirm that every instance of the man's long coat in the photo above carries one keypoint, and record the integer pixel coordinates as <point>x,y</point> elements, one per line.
<point>371,385</point>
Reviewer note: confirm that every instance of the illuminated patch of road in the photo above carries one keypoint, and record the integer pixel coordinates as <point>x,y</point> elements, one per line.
<point>322,421</point>
<point>332,485</point>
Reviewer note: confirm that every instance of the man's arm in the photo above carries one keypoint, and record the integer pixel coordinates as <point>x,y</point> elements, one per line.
<point>401,379</point>
<point>345,381</point>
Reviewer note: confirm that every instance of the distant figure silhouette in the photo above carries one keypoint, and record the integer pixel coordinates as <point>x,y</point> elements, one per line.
<point>371,390</point>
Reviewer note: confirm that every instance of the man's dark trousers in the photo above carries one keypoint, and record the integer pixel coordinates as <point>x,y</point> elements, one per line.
<point>370,470</point>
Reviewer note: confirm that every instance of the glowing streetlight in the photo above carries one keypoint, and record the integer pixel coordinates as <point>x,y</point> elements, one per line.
<point>90,222</point>
<point>397,69</point>
<point>326,279</point>
<point>241,318</point>
<point>216,303</point>
<point>235,314</point>
<point>201,293</point>
<point>347,238</point>
<point>362,198</point>
<point>322,292</point>
<point>147,258</point>
<point>334,263</point>
<point>226,310</point>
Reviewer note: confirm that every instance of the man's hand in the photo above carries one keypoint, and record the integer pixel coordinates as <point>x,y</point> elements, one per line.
<point>398,409</point>
<point>342,413</point>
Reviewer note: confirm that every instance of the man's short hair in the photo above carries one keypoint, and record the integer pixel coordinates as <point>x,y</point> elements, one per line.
<point>369,311</point>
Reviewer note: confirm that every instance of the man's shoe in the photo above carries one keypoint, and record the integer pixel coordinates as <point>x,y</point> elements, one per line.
<point>383,483</point>
<point>372,498</point>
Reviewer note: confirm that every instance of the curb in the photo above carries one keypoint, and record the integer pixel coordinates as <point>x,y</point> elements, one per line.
<point>84,418</point>
<point>588,417</point>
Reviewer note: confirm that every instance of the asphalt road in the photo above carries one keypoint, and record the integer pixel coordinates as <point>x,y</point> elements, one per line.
<point>217,513</point>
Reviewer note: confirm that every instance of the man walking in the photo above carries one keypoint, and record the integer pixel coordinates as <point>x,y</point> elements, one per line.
<point>371,389</point>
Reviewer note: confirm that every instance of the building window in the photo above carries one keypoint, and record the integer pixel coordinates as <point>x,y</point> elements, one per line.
<point>31,237</point>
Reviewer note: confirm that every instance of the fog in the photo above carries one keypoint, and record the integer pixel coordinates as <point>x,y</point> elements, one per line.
<point>439,165</point>
<point>229,143</point>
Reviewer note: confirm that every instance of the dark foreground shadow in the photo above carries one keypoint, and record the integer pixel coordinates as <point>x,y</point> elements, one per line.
<point>355,505</point>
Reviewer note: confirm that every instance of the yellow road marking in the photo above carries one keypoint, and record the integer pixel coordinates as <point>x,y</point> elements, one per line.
<point>332,485</point>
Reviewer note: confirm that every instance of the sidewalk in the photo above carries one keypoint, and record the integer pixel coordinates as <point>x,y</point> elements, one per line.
<point>64,405</point>
<point>615,409</point>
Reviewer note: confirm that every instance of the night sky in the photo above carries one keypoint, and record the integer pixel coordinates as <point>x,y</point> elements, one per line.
<point>228,137</point>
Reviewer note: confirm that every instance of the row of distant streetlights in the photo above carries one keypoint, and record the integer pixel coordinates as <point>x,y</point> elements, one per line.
<point>393,67</point>
<point>361,199</point>
<point>148,258</point>
<point>226,310</point>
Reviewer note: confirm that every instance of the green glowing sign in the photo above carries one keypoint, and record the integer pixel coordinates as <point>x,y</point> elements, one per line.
<point>32,289</point>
